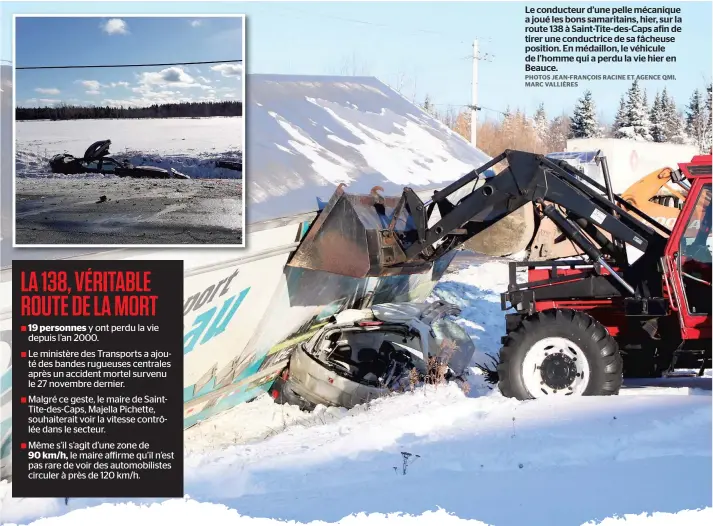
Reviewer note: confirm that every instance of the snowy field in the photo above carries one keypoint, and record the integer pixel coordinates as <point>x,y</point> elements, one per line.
<point>91,209</point>
<point>190,146</point>
<point>642,458</point>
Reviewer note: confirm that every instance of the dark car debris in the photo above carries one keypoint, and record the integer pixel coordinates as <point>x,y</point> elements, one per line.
<point>230,165</point>
<point>96,160</point>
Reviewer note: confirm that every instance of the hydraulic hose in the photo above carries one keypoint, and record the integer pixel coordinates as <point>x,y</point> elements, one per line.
<point>578,238</point>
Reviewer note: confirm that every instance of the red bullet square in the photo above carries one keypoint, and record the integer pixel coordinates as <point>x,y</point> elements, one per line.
<point>23,446</point>
<point>23,328</point>
<point>23,400</point>
<point>23,354</point>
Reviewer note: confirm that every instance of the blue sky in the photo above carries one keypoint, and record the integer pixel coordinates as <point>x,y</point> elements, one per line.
<point>421,46</point>
<point>51,41</point>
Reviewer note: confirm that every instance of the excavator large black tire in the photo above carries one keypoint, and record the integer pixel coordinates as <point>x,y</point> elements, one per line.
<point>600,349</point>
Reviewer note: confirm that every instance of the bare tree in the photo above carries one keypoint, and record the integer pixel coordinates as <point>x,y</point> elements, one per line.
<point>351,66</point>
<point>406,85</point>
<point>559,133</point>
<point>449,117</point>
<point>400,82</point>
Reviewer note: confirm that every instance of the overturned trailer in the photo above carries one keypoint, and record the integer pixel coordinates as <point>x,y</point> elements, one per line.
<point>245,310</point>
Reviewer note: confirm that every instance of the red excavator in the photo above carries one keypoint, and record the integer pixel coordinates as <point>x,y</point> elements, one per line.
<point>637,302</point>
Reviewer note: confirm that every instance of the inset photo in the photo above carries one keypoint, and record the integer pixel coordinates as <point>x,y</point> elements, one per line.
<point>129,130</point>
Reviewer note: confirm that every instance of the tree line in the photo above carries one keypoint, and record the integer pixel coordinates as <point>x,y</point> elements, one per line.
<point>155,111</point>
<point>514,130</point>
<point>660,120</point>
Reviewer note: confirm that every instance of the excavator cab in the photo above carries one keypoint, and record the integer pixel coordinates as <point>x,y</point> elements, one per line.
<point>688,258</point>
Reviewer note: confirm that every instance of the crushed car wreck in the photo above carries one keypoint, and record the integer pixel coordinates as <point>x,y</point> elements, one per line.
<point>96,160</point>
<point>363,354</point>
<point>236,165</point>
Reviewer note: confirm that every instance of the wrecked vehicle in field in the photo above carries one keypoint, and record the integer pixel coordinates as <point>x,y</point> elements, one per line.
<point>230,164</point>
<point>363,354</point>
<point>96,160</point>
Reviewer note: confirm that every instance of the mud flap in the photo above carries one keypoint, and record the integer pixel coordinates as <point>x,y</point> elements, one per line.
<point>352,236</point>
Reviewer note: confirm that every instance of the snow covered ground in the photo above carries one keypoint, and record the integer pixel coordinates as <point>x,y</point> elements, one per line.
<point>190,146</point>
<point>438,455</point>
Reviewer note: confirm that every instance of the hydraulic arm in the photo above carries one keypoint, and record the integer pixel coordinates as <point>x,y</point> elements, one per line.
<point>372,235</point>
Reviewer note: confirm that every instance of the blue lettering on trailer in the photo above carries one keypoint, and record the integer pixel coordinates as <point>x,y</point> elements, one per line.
<point>208,325</point>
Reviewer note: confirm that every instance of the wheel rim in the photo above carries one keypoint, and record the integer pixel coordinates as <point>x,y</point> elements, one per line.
<point>555,366</point>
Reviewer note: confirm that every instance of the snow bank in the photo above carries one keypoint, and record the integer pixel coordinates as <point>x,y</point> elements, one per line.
<point>476,290</point>
<point>254,422</point>
<point>487,458</point>
<point>190,146</point>
<point>198,136</point>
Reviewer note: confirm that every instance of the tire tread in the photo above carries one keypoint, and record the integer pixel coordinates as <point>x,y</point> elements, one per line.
<point>598,345</point>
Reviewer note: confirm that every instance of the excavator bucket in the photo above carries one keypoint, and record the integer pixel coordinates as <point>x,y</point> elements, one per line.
<point>509,236</point>
<point>550,243</point>
<point>536,238</point>
<point>351,237</point>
